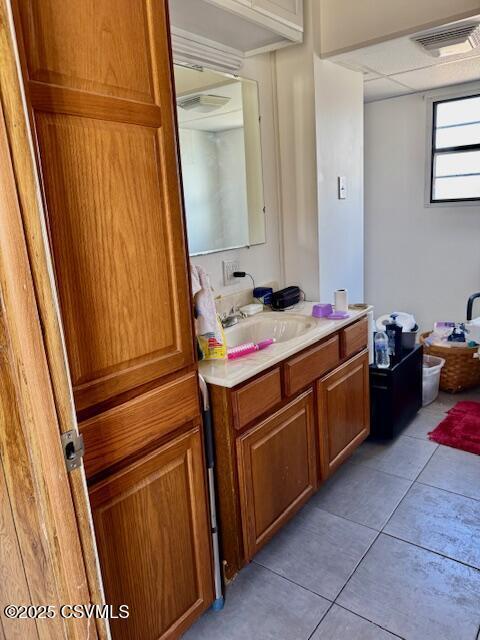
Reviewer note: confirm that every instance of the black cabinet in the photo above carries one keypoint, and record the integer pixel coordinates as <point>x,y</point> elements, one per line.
<point>396,394</point>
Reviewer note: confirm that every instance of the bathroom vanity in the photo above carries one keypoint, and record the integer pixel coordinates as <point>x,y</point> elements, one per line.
<point>284,420</point>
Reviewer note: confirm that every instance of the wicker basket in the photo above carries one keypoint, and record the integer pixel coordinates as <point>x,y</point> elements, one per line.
<point>460,371</point>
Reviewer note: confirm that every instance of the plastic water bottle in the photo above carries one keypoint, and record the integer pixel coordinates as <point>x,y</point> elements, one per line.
<point>382,357</point>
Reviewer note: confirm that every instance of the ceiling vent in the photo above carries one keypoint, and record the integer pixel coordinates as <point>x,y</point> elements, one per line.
<point>454,40</point>
<point>204,103</point>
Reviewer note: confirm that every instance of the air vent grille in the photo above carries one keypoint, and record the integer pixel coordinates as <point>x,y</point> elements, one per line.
<point>203,102</point>
<point>452,40</point>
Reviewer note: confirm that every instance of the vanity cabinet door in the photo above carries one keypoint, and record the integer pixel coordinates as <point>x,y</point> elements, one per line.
<point>277,471</point>
<point>152,519</point>
<point>343,412</point>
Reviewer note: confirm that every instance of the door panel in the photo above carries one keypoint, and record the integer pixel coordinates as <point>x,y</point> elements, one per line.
<point>151,518</point>
<point>343,411</point>
<point>107,29</point>
<point>112,436</point>
<point>102,284</point>
<point>277,471</point>
<point>102,101</point>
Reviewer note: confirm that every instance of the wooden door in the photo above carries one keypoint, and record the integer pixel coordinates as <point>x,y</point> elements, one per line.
<point>277,470</point>
<point>41,561</point>
<point>99,85</point>
<point>151,518</point>
<point>99,89</point>
<point>343,412</point>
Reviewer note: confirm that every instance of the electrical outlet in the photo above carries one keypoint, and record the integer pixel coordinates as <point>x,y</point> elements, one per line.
<point>229,266</point>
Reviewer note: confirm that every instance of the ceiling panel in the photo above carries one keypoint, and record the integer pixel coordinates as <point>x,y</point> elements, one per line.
<point>346,61</point>
<point>369,75</point>
<point>383,88</point>
<point>396,56</point>
<point>402,61</point>
<point>442,75</point>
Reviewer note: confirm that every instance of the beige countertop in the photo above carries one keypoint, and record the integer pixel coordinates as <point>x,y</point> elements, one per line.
<point>229,373</point>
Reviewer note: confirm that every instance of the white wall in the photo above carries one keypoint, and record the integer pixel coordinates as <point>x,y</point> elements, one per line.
<point>348,24</point>
<point>320,108</point>
<point>264,260</point>
<point>296,117</point>
<point>425,260</point>
<point>339,128</point>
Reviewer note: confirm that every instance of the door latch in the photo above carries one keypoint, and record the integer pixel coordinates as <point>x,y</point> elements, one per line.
<point>73,449</point>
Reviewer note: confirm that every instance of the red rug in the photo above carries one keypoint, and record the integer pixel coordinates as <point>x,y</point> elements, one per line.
<point>461,428</point>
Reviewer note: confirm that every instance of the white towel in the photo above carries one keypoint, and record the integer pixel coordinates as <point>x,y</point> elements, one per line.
<point>206,322</point>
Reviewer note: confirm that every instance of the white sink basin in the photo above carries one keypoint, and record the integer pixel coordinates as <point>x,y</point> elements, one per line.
<point>281,326</point>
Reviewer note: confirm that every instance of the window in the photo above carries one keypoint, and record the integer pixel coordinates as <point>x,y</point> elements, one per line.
<point>456,150</point>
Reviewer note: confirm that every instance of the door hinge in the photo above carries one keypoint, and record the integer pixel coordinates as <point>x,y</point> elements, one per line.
<point>73,449</point>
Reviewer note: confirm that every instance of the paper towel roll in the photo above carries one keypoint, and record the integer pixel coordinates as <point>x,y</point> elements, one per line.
<point>341,300</point>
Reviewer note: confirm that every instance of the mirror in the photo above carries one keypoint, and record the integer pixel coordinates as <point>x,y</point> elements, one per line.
<point>219,132</point>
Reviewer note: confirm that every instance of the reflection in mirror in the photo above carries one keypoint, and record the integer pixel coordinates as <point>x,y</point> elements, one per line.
<point>219,131</point>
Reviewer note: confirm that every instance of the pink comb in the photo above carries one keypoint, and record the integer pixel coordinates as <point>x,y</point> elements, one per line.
<point>263,344</point>
<point>248,347</point>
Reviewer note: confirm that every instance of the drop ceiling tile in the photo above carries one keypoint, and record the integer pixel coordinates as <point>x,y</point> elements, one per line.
<point>368,75</point>
<point>398,55</point>
<point>383,88</point>
<point>393,56</point>
<point>345,61</point>
<point>467,70</point>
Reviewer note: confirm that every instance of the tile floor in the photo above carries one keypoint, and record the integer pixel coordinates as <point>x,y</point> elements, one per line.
<point>388,548</point>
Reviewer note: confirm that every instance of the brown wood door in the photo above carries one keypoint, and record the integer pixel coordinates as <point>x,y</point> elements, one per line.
<point>99,89</point>
<point>343,412</point>
<point>41,559</point>
<point>277,470</point>
<point>99,86</point>
<point>151,518</point>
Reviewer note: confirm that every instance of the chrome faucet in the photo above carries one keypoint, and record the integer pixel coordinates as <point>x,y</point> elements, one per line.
<point>232,317</point>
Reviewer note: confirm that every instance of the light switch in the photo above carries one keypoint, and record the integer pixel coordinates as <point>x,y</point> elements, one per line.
<point>342,187</point>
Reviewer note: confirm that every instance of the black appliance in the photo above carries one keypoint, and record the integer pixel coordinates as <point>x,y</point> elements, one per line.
<point>285,298</point>
<point>396,394</point>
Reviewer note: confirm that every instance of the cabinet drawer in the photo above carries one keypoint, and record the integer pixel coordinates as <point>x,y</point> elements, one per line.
<point>354,338</point>
<point>256,398</point>
<point>116,434</point>
<point>277,471</point>
<point>308,366</point>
